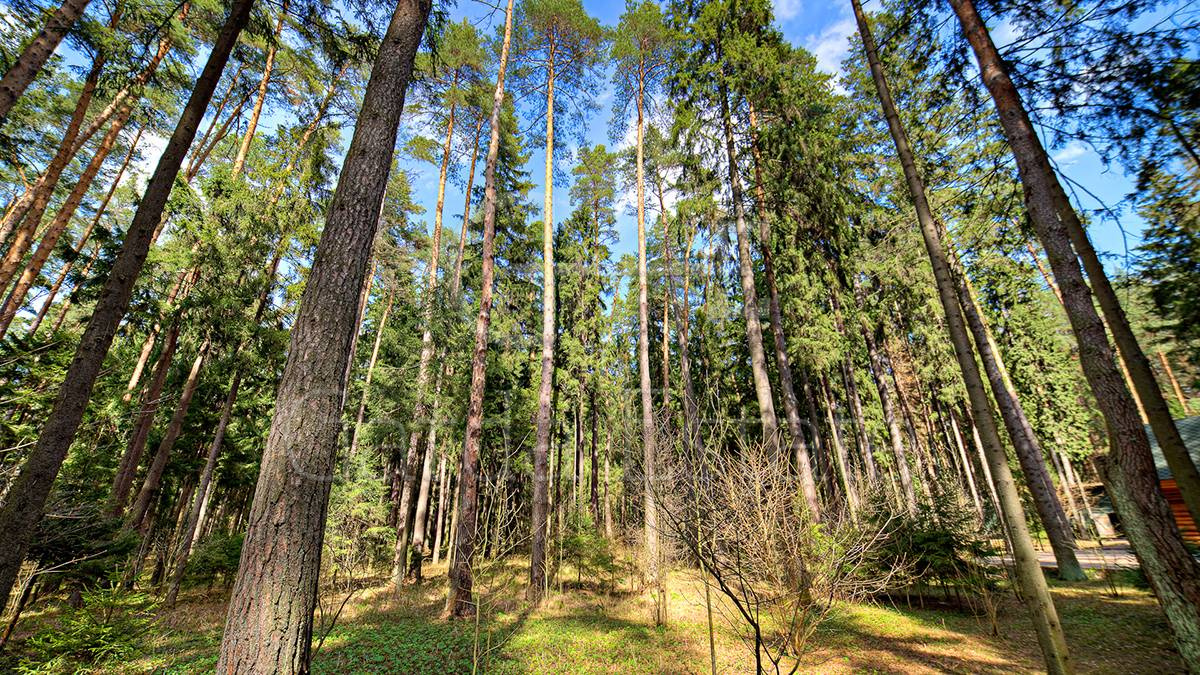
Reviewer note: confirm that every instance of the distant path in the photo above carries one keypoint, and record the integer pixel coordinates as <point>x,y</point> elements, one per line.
<point>1115,554</point>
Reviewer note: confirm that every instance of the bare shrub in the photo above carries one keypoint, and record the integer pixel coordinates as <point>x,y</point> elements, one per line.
<point>741,517</point>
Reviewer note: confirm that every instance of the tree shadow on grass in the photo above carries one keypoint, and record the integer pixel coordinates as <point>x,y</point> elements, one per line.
<point>862,648</point>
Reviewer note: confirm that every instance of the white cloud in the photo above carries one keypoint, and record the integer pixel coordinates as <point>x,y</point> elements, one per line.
<point>786,9</point>
<point>831,45</point>
<point>1071,154</point>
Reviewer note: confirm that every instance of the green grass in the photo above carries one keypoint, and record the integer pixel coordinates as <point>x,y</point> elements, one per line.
<point>583,630</point>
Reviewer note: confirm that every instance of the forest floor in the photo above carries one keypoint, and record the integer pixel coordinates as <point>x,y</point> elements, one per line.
<point>580,629</point>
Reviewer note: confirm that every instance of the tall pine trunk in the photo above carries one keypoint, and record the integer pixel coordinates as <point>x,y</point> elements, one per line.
<point>1029,573</point>
<point>653,553</point>
<point>783,363</point>
<point>541,446</point>
<point>57,226</point>
<point>86,236</point>
<point>27,497</point>
<point>268,625</point>
<point>1128,468</point>
<point>35,54</point>
<point>264,85</point>
<point>459,600</point>
<point>424,411</point>
<point>149,490</point>
<point>1028,450</point>
<point>758,357</point>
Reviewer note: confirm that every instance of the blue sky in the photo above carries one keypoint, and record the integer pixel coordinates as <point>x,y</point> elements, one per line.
<point>824,28</point>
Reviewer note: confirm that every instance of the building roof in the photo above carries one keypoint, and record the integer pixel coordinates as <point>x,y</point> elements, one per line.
<point>1189,429</point>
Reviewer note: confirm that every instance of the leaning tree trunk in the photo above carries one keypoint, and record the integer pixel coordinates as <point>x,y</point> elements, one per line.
<point>27,497</point>
<point>791,405</point>
<point>56,228</point>
<point>758,356</point>
<point>17,220</point>
<point>264,86</point>
<point>32,204</point>
<point>86,236</point>
<point>1029,573</point>
<point>1146,389</point>
<point>149,489</point>
<point>541,446</point>
<point>1128,468</point>
<point>203,492</point>
<point>35,54</point>
<point>269,621</point>
<point>459,600</point>
<point>1028,450</point>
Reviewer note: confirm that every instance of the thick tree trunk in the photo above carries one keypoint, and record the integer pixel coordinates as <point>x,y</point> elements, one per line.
<point>1155,408</point>
<point>758,357</point>
<point>27,497</point>
<point>791,406</point>
<point>269,621</point>
<point>1029,573</point>
<point>86,236</point>
<point>541,446</point>
<point>460,601</point>
<point>1129,467</point>
<point>35,54</point>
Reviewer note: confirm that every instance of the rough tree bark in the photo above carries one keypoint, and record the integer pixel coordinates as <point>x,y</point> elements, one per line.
<point>268,627</point>
<point>1128,469</point>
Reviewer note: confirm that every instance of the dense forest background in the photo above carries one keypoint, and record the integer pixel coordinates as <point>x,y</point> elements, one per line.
<point>823,305</point>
